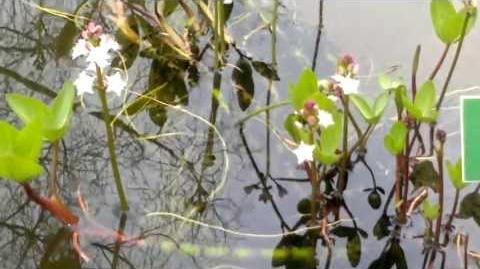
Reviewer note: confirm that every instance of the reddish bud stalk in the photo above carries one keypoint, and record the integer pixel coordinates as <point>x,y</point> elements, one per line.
<point>52,205</point>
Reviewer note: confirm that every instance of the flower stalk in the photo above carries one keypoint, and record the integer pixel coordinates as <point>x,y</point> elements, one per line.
<point>101,89</point>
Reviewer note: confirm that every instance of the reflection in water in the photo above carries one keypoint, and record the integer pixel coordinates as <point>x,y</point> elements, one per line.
<point>225,192</point>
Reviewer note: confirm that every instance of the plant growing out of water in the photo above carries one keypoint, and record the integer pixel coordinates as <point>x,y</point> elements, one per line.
<point>97,48</point>
<point>319,132</point>
<point>20,149</point>
<point>415,164</point>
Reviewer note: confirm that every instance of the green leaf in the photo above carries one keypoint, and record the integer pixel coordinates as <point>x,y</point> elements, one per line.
<point>425,101</point>
<point>424,175</point>
<point>394,141</point>
<point>83,13</point>
<point>64,41</point>
<point>387,83</point>
<point>305,87</point>
<point>446,21</point>
<point>297,133</point>
<point>380,105</point>
<point>455,174</point>
<point>330,140</point>
<point>243,83</point>
<point>371,114</point>
<point>28,109</point>
<point>354,249</point>
<point>127,37</point>
<point>169,7</point>
<point>19,152</point>
<point>28,142</point>
<point>430,211</point>
<point>60,113</point>
<point>362,106</point>
<point>265,70</point>
<point>473,18</point>
<point>470,207</point>
<point>381,228</point>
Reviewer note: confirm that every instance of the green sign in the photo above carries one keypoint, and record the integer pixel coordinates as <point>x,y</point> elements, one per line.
<point>470,129</point>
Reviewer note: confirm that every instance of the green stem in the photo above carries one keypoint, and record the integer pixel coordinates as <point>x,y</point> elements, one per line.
<point>440,193</point>
<point>118,241</point>
<point>440,62</point>
<point>111,142</point>
<point>448,226</point>
<point>455,60</point>
<point>342,180</point>
<point>273,27</point>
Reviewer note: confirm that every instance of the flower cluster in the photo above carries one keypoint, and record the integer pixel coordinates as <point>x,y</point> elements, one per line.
<point>98,50</point>
<point>345,78</point>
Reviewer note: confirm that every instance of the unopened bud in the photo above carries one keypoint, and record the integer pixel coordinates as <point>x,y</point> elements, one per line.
<point>441,136</point>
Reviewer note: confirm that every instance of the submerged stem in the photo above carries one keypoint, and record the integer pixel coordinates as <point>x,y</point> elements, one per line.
<point>52,178</point>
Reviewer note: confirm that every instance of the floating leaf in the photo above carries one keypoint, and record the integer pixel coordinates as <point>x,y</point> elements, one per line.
<point>65,40</point>
<point>127,37</point>
<point>394,141</point>
<point>381,228</point>
<point>171,90</point>
<point>243,83</point>
<point>354,249</point>
<point>425,175</point>
<point>470,207</point>
<point>59,252</point>
<point>304,206</point>
<point>265,70</point>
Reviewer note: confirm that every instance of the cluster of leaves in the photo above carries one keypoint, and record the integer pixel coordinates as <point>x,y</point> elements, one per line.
<point>326,140</point>
<point>21,149</point>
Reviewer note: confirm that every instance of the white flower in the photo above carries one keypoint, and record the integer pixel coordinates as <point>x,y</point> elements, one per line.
<point>80,49</point>
<point>96,55</point>
<point>325,119</point>
<point>304,152</point>
<point>84,83</point>
<point>333,98</point>
<point>349,85</point>
<point>115,83</point>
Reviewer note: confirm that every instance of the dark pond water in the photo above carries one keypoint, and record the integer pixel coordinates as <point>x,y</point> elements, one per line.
<point>196,198</point>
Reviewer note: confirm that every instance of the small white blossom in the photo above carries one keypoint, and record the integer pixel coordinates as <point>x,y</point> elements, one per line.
<point>333,98</point>
<point>325,119</point>
<point>304,152</point>
<point>100,55</point>
<point>348,85</point>
<point>80,49</point>
<point>115,83</point>
<point>84,83</point>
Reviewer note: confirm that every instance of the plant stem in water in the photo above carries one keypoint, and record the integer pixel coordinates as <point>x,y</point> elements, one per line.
<point>111,142</point>
<point>52,178</point>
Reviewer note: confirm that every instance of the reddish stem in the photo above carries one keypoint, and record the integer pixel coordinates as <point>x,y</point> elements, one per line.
<point>52,205</point>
